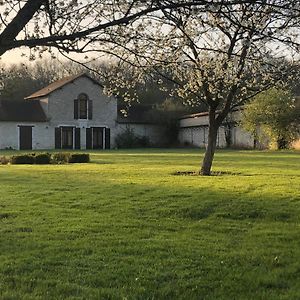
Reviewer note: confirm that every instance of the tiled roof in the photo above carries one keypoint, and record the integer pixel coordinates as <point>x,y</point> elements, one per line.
<point>201,114</point>
<point>21,111</point>
<point>58,84</point>
<point>205,113</point>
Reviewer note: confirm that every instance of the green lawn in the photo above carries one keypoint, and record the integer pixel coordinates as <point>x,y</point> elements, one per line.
<point>124,227</point>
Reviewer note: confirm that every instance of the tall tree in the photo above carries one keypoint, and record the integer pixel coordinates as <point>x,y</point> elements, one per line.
<point>222,55</point>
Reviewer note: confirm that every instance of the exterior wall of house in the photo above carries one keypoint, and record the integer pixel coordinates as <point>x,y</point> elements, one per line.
<point>41,139</point>
<point>44,103</point>
<point>198,135</point>
<point>242,138</point>
<point>194,131</point>
<point>61,104</point>
<point>155,133</point>
<point>59,109</point>
<point>9,135</point>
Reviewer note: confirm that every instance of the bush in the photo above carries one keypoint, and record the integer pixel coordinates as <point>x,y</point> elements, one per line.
<point>43,158</point>
<point>142,141</point>
<point>22,159</point>
<point>127,139</point>
<point>46,158</point>
<point>61,157</point>
<point>79,158</point>
<point>4,160</point>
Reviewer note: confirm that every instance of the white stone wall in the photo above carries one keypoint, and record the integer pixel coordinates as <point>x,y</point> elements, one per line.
<point>41,135</point>
<point>9,135</point>
<point>61,104</point>
<point>194,130</point>
<point>242,138</point>
<point>198,136</point>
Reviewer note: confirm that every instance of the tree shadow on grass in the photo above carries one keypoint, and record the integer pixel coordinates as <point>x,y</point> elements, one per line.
<point>139,240</point>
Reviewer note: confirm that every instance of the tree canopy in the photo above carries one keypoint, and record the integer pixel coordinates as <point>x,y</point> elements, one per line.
<point>220,53</point>
<point>273,113</point>
<point>74,25</point>
<point>222,56</point>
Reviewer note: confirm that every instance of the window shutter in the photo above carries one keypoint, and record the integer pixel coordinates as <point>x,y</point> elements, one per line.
<point>89,138</point>
<point>76,109</point>
<point>90,110</point>
<point>107,138</point>
<point>77,138</point>
<point>57,138</point>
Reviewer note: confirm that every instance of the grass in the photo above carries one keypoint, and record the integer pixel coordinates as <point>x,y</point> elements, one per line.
<point>124,227</point>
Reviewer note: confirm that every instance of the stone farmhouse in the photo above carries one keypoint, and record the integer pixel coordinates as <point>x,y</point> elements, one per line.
<point>74,113</point>
<point>71,113</point>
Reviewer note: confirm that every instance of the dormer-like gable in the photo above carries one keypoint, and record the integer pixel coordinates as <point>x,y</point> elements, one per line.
<point>78,99</point>
<point>44,92</point>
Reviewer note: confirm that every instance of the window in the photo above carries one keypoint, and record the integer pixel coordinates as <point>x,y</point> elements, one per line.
<point>97,138</point>
<point>83,106</point>
<point>67,138</point>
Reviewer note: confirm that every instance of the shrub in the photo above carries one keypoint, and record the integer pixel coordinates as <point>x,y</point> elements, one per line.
<point>43,158</point>
<point>142,141</point>
<point>4,160</point>
<point>79,158</point>
<point>127,139</point>
<point>60,157</point>
<point>22,159</point>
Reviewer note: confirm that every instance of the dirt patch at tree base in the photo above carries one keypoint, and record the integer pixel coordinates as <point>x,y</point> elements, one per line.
<point>197,173</point>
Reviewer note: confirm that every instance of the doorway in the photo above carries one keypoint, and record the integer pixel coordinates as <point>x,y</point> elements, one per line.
<point>25,137</point>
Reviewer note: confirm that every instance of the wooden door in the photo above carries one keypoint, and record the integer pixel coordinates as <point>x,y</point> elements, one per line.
<point>25,136</point>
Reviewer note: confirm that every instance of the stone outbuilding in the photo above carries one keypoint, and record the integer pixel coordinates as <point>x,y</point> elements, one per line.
<point>193,130</point>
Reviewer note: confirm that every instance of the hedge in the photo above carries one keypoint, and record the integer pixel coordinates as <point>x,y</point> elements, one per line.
<point>61,157</point>
<point>22,159</point>
<point>79,158</point>
<point>47,158</point>
<point>43,158</point>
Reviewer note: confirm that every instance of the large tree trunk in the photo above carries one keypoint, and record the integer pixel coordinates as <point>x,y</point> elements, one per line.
<point>211,145</point>
<point>14,27</point>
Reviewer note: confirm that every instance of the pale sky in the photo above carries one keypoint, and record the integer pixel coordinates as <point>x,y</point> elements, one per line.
<point>15,57</point>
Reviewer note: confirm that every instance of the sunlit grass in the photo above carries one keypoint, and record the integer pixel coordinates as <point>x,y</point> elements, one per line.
<point>124,227</point>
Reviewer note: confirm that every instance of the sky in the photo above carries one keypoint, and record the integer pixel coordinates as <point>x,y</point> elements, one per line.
<point>15,57</point>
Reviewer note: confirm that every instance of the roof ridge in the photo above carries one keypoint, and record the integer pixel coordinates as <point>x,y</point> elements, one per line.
<point>58,84</point>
